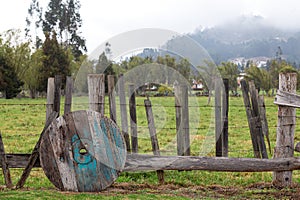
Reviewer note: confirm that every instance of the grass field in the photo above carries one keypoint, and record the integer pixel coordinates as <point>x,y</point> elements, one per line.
<point>21,121</point>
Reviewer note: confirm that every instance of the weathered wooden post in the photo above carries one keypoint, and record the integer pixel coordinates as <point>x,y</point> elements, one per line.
<point>257,121</point>
<point>153,136</point>
<point>182,120</point>
<point>285,130</point>
<point>50,97</point>
<point>221,119</point>
<point>133,120</point>
<point>68,97</point>
<point>218,120</point>
<point>225,109</point>
<point>57,93</point>
<point>4,164</point>
<point>112,97</point>
<point>123,110</point>
<point>96,92</point>
<point>251,119</point>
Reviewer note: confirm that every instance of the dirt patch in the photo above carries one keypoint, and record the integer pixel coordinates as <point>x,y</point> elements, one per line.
<point>255,191</point>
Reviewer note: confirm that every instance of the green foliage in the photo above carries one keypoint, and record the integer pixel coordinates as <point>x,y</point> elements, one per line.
<point>164,90</point>
<point>55,62</point>
<point>262,78</point>
<point>10,84</point>
<point>12,62</point>
<point>64,18</point>
<point>287,69</point>
<point>230,71</point>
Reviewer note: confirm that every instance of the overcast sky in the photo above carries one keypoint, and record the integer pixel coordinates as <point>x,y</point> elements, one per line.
<point>105,19</point>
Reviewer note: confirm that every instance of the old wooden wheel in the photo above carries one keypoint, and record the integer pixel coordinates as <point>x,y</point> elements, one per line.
<point>82,151</point>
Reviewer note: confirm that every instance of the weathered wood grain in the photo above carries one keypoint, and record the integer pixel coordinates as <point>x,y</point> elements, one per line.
<point>258,132</point>
<point>83,151</point>
<point>136,162</point>
<point>123,110</point>
<point>284,98</point>
<point>57,93</point>
<point>149,162</point>
<point>153,136</point>
<point>133,119</point>
<point>5,168</point>
<point>96,86</point>
<point>50,97</point>
<point>112,97</point>
<point>68,96</point>
<point>218,121</point>
<point>225,108</point>
<point>251,120</point>
<point>285,129</point>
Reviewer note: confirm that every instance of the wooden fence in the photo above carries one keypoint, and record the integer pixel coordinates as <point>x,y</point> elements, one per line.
<point>282,164</point>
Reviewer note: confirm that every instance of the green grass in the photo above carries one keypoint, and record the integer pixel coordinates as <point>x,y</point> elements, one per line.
<point>23,119</point>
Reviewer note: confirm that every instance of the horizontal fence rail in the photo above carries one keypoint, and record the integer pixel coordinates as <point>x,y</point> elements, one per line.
<point>139,162</point>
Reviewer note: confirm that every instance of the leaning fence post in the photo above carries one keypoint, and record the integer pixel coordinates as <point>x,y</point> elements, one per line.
<point>256,118</point>
<point>153,136</point>
<point>285,130</point>
<point>251,123</point>
<point>5,168</point>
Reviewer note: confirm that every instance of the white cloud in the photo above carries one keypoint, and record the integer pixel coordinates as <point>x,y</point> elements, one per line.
<point>105,19</point>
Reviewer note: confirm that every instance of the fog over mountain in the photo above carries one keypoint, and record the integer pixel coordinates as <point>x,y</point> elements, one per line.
<point>248,36</point>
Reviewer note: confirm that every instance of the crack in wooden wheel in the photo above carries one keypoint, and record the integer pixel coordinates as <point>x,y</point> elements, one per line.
<point>82,151</point>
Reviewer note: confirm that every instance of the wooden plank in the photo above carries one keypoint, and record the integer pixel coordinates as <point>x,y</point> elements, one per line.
<point>112,97</point>
<point>4,164</point>
<point>68,96</point>
<point>251,121</point>
<point>96,87</point>
<point>258,126</point>
<point>35,153</point>
<point>284,98</point>
<point>50,97</point>
<point>153,136</point>
<point>285,130</point>
<point>225,108</point>
<point>136,162</point>
<point>123,110</point>
<point>133,119</point>
<point>57,93</point>
<point>218,121</point>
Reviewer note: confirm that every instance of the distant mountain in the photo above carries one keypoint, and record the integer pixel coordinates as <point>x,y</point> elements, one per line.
<point>248,36</point>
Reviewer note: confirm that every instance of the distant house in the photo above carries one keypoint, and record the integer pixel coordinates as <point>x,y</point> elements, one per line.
<point>197,85</point>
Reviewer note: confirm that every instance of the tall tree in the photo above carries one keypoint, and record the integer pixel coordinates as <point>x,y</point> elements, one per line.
<point>64,18</point>
<point>10,84</point>
<point>34,21</point>
<point>55,61</point>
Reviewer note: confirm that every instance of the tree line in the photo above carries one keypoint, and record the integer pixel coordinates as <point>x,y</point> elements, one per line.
<point>53,45</point>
